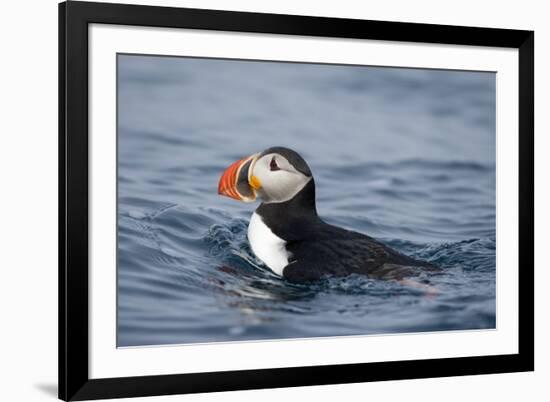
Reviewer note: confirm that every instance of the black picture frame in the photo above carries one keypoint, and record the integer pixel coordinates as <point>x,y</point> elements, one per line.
<point>74,18</point>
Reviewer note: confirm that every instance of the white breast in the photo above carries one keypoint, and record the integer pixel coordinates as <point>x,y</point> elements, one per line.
<point>266,245</point>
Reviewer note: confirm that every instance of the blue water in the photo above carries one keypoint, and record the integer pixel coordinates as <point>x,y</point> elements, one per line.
<point>404,155</point>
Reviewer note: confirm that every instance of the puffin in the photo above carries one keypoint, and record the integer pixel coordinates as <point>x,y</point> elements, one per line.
<point>290,238</point>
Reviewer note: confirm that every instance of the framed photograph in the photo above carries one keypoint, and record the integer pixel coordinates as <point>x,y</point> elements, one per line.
<point>257,200</point>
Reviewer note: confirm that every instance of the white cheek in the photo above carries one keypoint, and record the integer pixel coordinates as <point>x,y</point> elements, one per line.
<point>279,184</point>
<point>285,186</point>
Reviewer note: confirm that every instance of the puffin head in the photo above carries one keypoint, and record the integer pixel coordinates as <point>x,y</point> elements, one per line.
<point>274,175</point>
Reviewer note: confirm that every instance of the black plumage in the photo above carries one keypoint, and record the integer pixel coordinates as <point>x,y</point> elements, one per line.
<point>318,249</point>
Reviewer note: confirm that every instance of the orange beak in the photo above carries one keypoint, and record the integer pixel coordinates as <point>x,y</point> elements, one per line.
<point>235,180</point>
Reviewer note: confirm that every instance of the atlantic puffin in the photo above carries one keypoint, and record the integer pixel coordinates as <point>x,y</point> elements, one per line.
<point>287,234</point>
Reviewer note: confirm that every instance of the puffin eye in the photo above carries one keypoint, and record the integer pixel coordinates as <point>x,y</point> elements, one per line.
<point>273,165</point>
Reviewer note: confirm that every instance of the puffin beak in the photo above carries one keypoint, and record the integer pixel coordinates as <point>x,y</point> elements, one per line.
<point>237,181</point>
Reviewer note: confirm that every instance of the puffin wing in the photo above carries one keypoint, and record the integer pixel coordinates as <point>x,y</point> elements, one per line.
<point>353,253</point>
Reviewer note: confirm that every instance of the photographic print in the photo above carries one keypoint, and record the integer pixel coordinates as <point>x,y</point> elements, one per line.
<point>253,201</point>
<point>266,200</point>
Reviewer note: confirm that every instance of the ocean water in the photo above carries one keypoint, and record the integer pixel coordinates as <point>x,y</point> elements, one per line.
<point>404,155</point>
